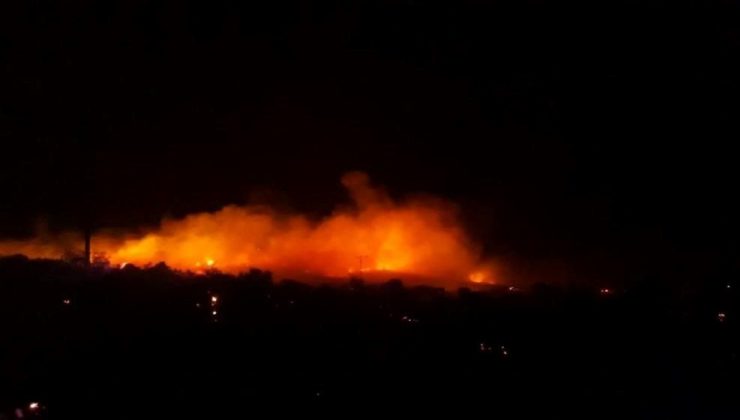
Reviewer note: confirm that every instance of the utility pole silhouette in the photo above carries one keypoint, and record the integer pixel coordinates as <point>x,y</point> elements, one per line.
<point>92,126</point>
<point>87,196</point>
<point>88,247</point>
<point>361,259</point>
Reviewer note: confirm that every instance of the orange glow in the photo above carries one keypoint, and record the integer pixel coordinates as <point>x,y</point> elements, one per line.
<point>418,238</point>
<point>481,275</point>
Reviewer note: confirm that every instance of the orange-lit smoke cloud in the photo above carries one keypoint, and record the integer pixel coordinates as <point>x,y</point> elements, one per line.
<point>420,238</point>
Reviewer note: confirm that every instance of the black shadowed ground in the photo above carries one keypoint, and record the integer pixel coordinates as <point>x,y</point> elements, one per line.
<point>153,343</point>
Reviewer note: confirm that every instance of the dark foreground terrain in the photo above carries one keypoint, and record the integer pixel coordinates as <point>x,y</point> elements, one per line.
<point>134,343</point>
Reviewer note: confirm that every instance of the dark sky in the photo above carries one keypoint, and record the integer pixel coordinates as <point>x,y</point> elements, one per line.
<point>597,133</point>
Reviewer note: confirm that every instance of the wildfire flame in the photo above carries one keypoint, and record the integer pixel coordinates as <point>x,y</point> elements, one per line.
<point>418,237</point>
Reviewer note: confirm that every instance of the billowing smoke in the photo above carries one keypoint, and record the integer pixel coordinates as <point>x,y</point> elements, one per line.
<point>375,237</point>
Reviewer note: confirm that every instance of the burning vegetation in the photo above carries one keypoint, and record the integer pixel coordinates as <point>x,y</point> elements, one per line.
<point>375,236</point>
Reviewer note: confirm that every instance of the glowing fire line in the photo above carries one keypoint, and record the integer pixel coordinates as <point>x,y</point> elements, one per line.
<point>421,237</point>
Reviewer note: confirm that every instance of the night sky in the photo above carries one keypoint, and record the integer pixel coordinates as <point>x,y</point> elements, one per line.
<point>594,134</point>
